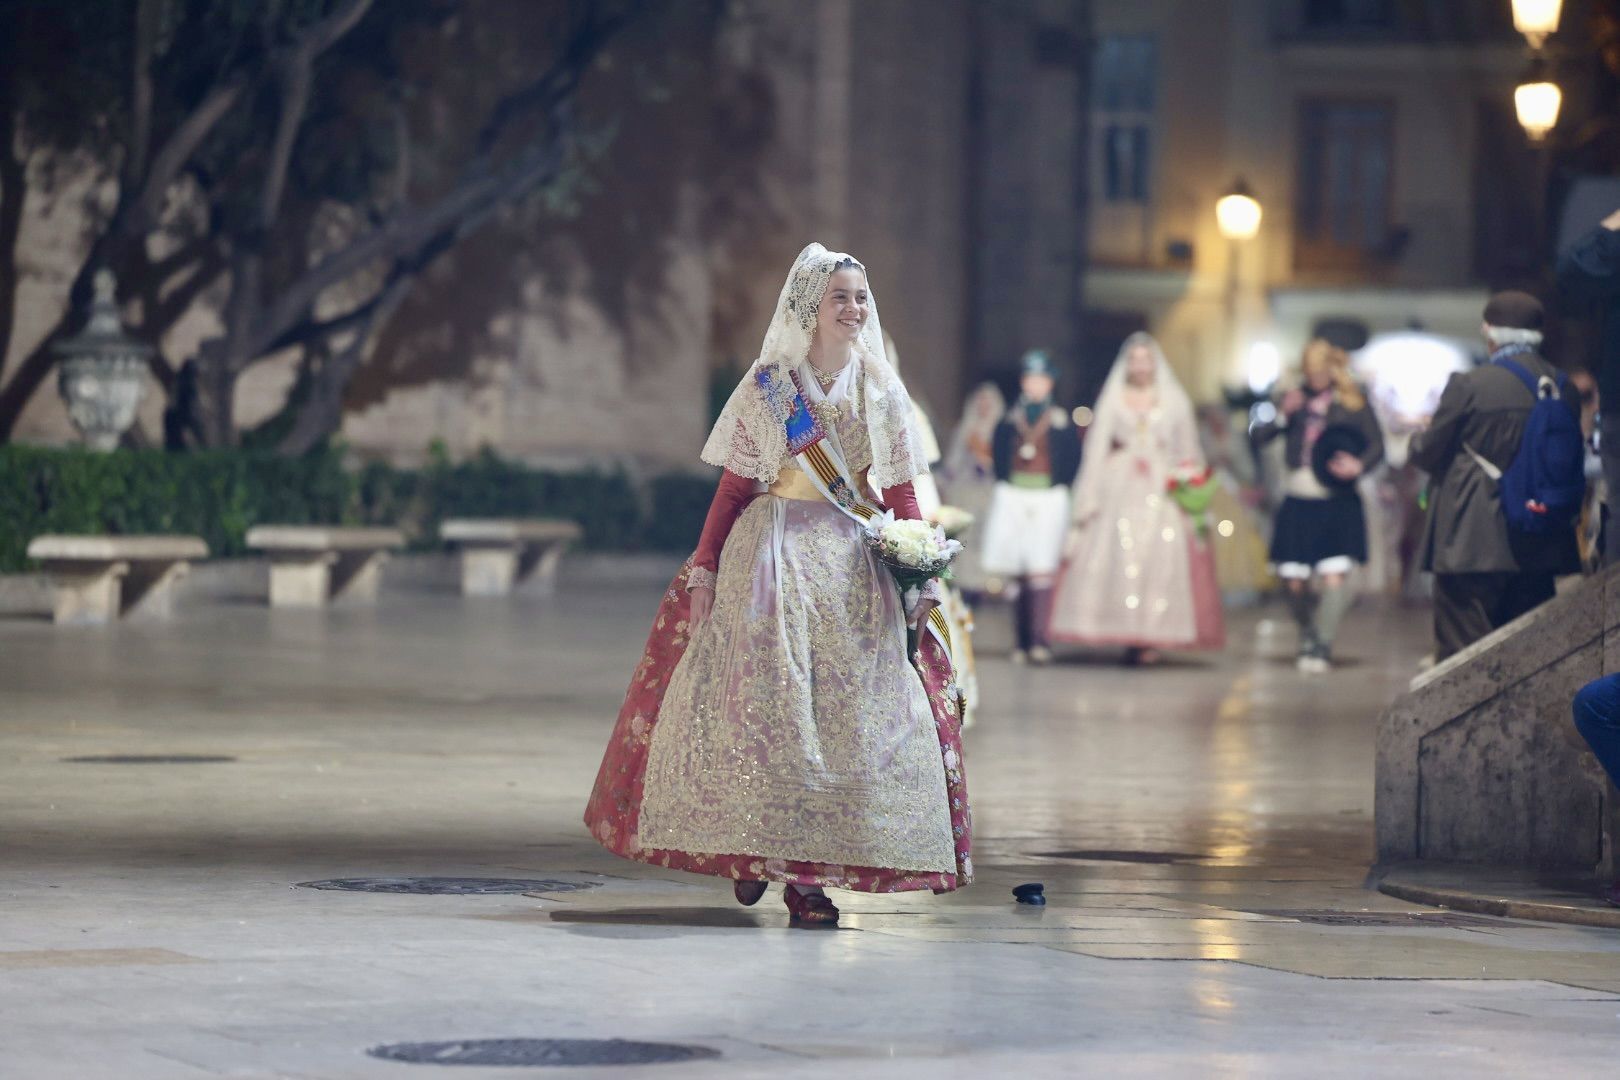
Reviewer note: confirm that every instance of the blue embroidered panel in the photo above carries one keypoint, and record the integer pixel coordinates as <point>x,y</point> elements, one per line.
<point>787,404</point>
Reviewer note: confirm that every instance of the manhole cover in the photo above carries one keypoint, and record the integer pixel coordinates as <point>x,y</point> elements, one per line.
<point>447,886</point>
<point>541,1052</point>
<point>1444,919</point>
<point>1109,855</point>
<point>149,759</point>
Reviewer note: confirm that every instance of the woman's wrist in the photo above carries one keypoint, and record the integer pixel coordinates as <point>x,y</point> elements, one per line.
<point>699,577</point>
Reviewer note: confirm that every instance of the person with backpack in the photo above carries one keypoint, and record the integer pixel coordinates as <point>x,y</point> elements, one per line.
<point>1506,461</point>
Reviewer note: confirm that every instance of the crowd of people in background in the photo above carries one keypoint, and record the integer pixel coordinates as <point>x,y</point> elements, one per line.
<point>1124,524</point>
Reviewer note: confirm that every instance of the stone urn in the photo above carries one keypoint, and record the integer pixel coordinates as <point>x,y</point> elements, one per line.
<point>102,374</point>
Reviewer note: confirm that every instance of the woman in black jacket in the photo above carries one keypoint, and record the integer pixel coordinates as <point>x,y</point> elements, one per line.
<point>1333,439</point>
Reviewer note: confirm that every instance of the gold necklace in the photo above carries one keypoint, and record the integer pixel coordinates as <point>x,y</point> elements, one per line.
<point>826,379</point>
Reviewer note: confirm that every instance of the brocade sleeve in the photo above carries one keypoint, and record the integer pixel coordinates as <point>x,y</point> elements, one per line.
<point>733,493</point>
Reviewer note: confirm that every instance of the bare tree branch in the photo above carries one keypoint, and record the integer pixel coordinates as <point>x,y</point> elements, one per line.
<point>401,187</point>
<point>13,193</point>
<point>147,15</point>
<point>296,72</point>
<point>483,189</point>
<point>322,412</point>
<point>146,207</point>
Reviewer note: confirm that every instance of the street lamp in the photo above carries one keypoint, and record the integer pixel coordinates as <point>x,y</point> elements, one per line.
<point>102,376</point>
<point>1238,213</point>
<point>1537,104</point>
<point>1537,20</point>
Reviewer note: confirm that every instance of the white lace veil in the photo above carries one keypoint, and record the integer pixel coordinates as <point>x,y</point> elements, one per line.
<point>750,441</point>
<point>1174,411</point>
<point>982,411</point>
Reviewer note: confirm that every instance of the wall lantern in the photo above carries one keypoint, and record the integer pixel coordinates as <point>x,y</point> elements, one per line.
<point>1537,100</point>
<point>1537,20</point>
<point>1238,213</point>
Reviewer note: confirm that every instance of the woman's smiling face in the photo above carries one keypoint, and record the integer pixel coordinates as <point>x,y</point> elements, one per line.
<point>844,306</point>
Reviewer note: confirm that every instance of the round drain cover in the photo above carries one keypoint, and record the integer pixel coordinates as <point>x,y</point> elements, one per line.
<point>542,1052</point>
<point>447,886</point>
<point>149,759</point>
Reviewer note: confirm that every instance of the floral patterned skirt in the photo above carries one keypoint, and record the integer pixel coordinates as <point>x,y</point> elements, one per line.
<point>738,710</point>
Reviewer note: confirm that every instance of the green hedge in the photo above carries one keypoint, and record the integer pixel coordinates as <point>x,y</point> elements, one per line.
<point>219,495</point>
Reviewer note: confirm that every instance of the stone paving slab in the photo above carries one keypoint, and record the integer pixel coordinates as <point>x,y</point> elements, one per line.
<point>430,736</point>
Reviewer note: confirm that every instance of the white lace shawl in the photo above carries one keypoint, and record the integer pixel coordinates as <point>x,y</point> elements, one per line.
<point>750,441</point>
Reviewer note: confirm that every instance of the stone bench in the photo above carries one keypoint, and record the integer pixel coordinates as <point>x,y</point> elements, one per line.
<point>312,565</point>
<point>96,579</point>
<point>498,554</point>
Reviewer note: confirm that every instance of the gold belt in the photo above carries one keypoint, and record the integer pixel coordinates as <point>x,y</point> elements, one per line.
<point>794,484</point>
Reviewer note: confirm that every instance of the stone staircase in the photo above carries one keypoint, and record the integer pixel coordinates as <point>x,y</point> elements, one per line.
<point>1480,761</point>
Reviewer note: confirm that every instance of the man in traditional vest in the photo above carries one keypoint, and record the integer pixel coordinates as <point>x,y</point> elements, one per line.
<point>1485,573</point>
<point>1036,449</point>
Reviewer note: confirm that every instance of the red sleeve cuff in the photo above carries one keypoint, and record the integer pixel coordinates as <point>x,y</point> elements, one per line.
<point>902,499</point>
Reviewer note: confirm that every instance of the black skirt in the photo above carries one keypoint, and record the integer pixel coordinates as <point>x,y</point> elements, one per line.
<point>1311,531</point>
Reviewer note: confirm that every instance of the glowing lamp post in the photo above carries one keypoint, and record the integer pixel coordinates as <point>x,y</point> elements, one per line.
<point>1238,213</point>
<point>1537,20</point>
<point>1537,102</point>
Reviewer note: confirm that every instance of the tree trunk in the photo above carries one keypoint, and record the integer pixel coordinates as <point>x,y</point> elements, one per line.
<point>216,395</point>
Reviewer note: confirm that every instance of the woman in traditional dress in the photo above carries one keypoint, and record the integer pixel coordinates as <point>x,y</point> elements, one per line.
<point>1139,572</point>
<point>1333,439</point>
<point>969,475</point>
<point>776,728</point>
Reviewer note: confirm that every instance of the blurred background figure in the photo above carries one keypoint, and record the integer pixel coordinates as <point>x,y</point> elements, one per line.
<point>956,522</point>
<point>969,477</point>
<point>926,486</point>
<point>1404,373</point>
<point>1138,570</point>
<point>1332,441</point>
<point>1235,534</point>
<point>1036,451</point>
<point>1492,562</point>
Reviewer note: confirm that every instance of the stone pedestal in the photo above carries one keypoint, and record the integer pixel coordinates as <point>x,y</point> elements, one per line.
<point>1481,763</point>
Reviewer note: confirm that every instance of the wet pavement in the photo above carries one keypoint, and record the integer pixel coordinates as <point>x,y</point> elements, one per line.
<point>1203,830</point>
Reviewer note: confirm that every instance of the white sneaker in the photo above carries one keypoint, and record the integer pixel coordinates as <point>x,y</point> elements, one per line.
<point>1040,654</point>
<point>1020,657</point>
<point>1313,665</point>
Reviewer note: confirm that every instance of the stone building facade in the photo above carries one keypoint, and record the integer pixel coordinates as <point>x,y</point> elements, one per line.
<point>940,141</point>
<point>1378,137</point>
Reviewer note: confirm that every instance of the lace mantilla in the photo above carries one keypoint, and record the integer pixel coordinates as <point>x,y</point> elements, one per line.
<point>750,441</point>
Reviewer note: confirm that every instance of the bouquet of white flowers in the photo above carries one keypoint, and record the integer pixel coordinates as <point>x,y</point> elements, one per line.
<point>915,552</point>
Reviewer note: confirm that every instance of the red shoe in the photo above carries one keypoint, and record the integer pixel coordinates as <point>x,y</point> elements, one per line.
<point>749,892</point>
<point>812,910</point>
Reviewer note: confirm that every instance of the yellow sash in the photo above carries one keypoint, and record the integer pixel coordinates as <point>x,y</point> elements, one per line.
<point>794,484</point>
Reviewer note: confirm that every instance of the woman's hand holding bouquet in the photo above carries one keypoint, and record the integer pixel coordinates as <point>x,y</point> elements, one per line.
<point>916,553</point>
